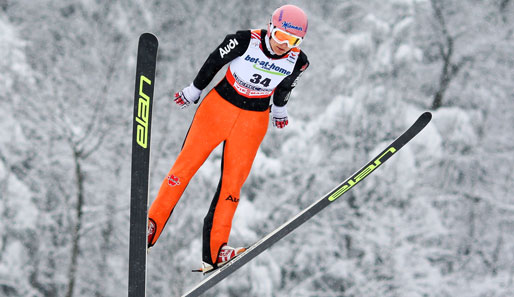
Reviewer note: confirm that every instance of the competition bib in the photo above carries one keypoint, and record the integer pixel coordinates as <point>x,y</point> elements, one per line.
<point>254,75</point>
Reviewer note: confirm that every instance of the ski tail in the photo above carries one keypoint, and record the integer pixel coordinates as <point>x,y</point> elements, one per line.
<point>142,122</point>
<point>286,228</point>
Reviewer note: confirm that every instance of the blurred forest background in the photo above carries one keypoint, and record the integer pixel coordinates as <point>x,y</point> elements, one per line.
<point>437,220</point>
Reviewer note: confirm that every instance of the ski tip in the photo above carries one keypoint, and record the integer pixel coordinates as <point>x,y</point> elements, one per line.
<point>148,36</point>
<point>425,118</point>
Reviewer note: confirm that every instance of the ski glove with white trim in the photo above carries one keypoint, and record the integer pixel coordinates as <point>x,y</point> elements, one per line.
<point>279,116</point>
<point>188,95</point>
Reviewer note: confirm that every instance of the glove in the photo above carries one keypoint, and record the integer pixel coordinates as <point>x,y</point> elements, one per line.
<point>187,95</point>
<point>279,116</point>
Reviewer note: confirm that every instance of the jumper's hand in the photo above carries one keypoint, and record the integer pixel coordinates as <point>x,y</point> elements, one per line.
<point>279,116</point>
<point>188,95</point>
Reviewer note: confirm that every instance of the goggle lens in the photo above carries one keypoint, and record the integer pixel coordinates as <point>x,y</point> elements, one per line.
<point>284,37</point>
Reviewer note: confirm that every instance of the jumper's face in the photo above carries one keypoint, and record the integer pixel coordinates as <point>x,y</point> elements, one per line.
<point>278,48</point>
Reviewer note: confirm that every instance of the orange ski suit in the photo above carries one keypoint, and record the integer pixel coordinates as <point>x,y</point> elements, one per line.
<point>216,121</point>
<point>234,113</point>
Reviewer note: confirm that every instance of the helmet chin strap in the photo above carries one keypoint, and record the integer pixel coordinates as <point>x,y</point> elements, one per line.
<point>267,37</point>
<point>268,44</point>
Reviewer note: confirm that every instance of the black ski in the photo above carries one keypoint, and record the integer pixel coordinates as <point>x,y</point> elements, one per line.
<point>310,211</point>
<point>142,121</point>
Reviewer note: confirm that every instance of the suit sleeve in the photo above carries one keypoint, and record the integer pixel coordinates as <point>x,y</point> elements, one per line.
<point>233,45</point>
<point>283,90</point>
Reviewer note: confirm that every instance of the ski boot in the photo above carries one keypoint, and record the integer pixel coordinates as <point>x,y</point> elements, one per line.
<point>151,233</point>
<point>226,254</point>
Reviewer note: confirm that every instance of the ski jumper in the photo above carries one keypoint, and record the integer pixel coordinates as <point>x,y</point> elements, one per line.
<point>235,113</point>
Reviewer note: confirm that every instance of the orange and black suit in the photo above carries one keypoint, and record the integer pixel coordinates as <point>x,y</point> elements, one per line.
<point>235,113</point>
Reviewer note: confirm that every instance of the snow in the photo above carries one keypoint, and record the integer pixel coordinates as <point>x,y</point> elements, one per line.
<point>328,119</point>
<point>337,72</point>
<point>456,128</point>
<point>19,203</point>
<point>265,166</point>
<point>380,27</point>
<point>248,215</point>
<point>384,57</point>
<point>11,47</point>
<point>267,272</point>
<point>11,267</point>
<point>403,27</point>
<point>408,54</point>
<point>359,45</point>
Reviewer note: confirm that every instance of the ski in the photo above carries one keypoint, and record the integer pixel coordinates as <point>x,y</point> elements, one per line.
<point>279,233</point>
<point>142,120</point>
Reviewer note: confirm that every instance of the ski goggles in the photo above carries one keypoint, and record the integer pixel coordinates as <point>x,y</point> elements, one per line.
<point>282,36</point>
